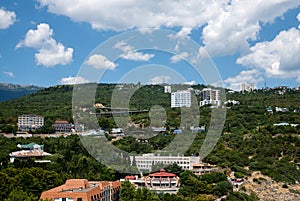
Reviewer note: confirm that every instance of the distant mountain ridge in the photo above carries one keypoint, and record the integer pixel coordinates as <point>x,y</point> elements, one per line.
<point>11,91</point>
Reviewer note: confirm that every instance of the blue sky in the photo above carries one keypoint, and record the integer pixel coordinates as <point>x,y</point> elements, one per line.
<point>47,42</point>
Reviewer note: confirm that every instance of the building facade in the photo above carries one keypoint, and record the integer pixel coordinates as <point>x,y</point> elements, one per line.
<point>161,181</point>
<point>210,96</point>
<point>167,89</point>
<point>30,150</point>
<point>84,190</point>
<point>181,99</point>
<point>247,87</point>
<point>28,122</point>
<point>145,162</point>
<point>62,126</point>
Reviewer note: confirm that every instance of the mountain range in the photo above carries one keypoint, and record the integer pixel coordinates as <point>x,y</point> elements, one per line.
<point>12,91</point>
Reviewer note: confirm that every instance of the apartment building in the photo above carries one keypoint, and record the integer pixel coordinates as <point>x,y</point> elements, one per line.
<point>210,96</point>
<point>84,190</point>
<point>167,89</point>
<point>28,122</point>
<point>247,87</point>
<point>180,99</point>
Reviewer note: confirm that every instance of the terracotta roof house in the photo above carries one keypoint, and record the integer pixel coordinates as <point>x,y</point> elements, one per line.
<point>160,181</point>
<point>84,190</point>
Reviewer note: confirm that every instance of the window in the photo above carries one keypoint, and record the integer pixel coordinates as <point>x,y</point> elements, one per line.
<point>79,199</point>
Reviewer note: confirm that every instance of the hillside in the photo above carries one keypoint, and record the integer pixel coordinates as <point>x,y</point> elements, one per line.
<point>250,141</point>
<point>12,91</point>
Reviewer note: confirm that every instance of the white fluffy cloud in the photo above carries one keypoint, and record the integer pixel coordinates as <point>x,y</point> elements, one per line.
<point>248,76</point>
<point>239,22</point>
<point>130,53</point>
<point>50,52</point>
<point>178,57</point>
<point>127,14</point>
<point>100,62</point>
<point>7,18</point>
<point>161,79</point>
<point>279,57</point>
<point>228,24</point>
<point>193,82</point>
<point>73,80</point>
<point>9,74</point>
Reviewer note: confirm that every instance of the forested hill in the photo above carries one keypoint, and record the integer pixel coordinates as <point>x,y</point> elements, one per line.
<point>56,102</point>
<point>12,91</point>
<point>250,140</point>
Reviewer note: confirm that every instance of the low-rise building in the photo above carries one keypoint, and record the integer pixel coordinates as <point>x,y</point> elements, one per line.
<point>203,168</point>
<point>30,150</point>
<point>145,162</point>
<point>62,126</point>
<point>161,181</point>
<point>84,190</point>
<point>198,129</point>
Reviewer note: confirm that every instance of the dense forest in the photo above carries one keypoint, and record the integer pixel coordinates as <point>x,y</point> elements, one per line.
<point>249,142</point>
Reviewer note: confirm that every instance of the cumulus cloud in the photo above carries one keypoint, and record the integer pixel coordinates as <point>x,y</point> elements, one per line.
<point>130,53</point>
<point>100,62</point>
<point>279,57</point>
<point>49,52</point>
<point>9,74</point>
<point>161,79</point>
<point>73,80</point>
<point>183,33</point>
<point>239,22</point>
<point>248,76</point>
<point>178,57</point>
<point>7,18</point>
<point>135,13</point>
<point>193,82</point>
<point>228,24</point>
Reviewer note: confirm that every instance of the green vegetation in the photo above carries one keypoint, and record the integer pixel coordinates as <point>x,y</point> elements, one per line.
<point>249,142</point>
<point>69,160</point>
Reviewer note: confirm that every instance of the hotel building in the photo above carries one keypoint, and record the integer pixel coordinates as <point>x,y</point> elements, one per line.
<point>28,122</point>
<point>84,190</point>
<point>145,162</point>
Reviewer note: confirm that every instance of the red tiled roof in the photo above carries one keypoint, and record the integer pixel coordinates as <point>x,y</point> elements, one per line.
<point>77,183</point>
<point>130,177</point>
<point>162,173</point>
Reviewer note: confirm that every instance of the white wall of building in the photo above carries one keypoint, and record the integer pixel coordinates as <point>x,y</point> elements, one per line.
<point>181,99</point>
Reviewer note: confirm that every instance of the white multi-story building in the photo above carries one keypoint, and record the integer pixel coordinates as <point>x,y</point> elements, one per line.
<point>247,87</point>
<point>181,99</point>
<point>28,122</point>
<point>168,89</point>
<point>145,162</point>
<point>210,96</point>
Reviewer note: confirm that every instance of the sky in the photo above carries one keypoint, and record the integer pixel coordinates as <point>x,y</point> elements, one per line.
<point>50,42</point>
